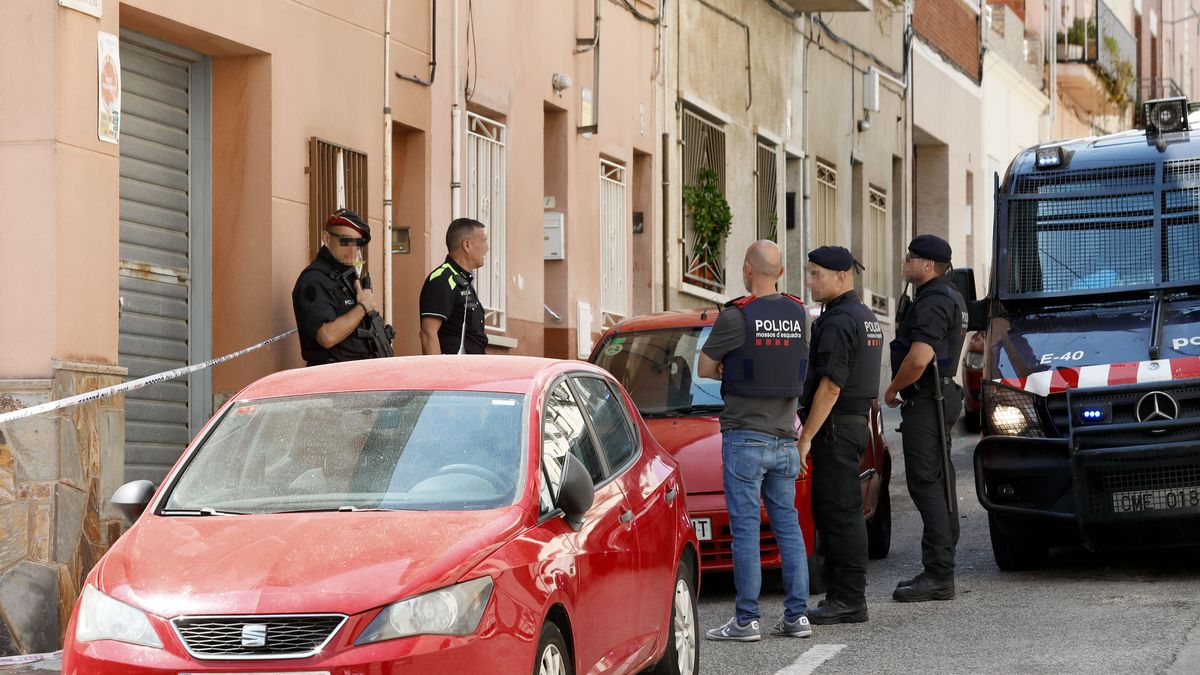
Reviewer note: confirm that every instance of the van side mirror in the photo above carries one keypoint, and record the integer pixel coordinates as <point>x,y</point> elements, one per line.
<point>576,493</point>
<point>132,498</point>
<point>977,314</point>
<point>964,280</point>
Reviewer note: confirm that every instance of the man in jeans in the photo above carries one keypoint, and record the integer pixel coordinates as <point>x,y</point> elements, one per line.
<point>757,350</point>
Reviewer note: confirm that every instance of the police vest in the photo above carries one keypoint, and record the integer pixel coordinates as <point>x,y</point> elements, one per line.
<point>770,363</point>
<point>947,352</point>
<point>862,383</point>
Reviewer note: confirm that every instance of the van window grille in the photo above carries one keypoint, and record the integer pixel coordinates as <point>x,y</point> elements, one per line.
<point>1060,182</point>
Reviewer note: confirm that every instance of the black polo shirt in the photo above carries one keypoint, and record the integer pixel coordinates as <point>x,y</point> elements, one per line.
<point>445,295</point>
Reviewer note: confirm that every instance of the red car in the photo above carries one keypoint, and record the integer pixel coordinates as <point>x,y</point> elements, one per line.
<point>408,515</point>
<point>972,368</point>
<point>655,358</point>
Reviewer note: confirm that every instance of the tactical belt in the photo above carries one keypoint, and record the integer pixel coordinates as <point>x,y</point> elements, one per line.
<point>841,418</point>
<point>923,385</point>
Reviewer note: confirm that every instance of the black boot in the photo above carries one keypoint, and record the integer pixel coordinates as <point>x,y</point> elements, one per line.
<point>925,588</point>
<point>910,582</point>
<point>837,611</point>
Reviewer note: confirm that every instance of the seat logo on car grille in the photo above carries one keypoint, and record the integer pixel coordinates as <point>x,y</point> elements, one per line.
<point>1157,406</point>
<point>254,635</point>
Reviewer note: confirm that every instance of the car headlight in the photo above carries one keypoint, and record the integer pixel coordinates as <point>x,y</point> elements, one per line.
<point>104,618</point>
<point>974,360</point>
<point>455,610</point>
<point>1011,412</point>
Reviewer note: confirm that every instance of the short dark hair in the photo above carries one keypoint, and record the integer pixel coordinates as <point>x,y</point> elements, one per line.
<point>459,230</point>
<point>941,267</point>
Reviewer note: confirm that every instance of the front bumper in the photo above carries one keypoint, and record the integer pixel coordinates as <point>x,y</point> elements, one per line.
<point>717,553</point>
<point>1133,496</point>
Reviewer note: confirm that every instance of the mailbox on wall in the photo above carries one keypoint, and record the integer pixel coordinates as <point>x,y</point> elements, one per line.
<point>553,227</point>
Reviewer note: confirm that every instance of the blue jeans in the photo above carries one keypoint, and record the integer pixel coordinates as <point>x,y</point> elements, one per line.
<point>761,464</point>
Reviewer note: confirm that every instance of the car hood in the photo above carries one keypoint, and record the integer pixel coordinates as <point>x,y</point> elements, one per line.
<point>301,562</point>
<point>1094,346</point>
<point>695,442</point>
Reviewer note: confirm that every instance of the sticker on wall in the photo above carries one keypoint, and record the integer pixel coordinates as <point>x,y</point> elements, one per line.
<point>90,7</point>
<point>108,72</point>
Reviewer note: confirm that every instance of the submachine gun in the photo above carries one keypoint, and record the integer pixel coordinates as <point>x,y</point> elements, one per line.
<point>377,334</point>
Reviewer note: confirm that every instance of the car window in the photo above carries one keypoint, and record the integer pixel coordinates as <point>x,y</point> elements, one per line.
<point>563,431</point>
<point>426,450</point>
<point>660,370</point>
<point>608,416</point>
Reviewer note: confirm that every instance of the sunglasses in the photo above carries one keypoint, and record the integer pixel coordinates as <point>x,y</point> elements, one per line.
<point>908,257</point>
<point>347,241</point>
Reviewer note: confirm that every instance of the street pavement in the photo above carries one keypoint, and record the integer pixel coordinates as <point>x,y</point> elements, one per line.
<point>1085,613</point>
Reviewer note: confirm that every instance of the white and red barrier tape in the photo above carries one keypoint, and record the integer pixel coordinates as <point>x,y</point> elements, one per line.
<point>20,659</point>
<point>133,384</point>
<point>1059,380</point>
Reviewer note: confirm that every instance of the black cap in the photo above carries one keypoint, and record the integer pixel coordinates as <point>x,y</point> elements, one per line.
<point>350,219</point>
<point>836,258</point>
<point>930,247</point>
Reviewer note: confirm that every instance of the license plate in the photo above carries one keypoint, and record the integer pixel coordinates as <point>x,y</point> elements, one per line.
<point>703,527</point>
<point>1156,500</point>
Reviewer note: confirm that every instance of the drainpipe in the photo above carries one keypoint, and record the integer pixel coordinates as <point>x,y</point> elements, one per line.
<point>666,160</point>
<point>387,163</point>
<point>456,130</point>
<point>592,45</point>
<point>1053,35</point>
<point>806,162</point>
<point>432,52</point>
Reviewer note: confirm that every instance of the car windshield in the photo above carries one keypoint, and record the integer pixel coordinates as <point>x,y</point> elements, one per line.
<point>408,450</point>
<point>659,369</point>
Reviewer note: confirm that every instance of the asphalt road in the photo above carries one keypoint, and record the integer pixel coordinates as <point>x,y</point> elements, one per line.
<point>1084,613</point>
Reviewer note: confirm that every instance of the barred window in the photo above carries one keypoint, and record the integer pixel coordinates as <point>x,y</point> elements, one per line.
<point>878,259</point>
<point>614,244</point>
<point>703,151</point>
<point>337,178</point>
<point>766,191</point>
<point>486,186</point>
<point>825,225</point>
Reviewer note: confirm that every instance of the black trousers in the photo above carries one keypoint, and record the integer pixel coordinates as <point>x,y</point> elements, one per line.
<point>838,509</point>
<point>925,473</point>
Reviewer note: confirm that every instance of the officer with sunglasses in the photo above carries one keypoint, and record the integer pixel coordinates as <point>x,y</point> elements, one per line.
<point>329,299</point>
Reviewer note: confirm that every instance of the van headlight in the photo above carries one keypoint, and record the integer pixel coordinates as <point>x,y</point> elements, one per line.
<point>454,610</point>
<point>105,618</point>
<point>1011,412</point>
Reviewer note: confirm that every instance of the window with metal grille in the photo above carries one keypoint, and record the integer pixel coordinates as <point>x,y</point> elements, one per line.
<point>766,191</point>
<point>614,242</point>
<point>878,259</point>
<point>703,149</point>
<point>825,213</point>
<point>337,178</point>
<point>486,182</point>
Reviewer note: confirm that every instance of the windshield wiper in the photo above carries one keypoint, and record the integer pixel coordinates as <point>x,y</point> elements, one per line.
<point>686,410</point>
<point>206,511</point>
<point>344,508</point>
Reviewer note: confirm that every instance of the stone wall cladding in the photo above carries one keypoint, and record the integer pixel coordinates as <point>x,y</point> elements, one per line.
<point>952,29</point>
<point>57,473</point>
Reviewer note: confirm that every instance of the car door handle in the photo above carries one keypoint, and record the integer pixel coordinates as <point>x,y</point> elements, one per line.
<point>626,516</point>
<point>672,494</point>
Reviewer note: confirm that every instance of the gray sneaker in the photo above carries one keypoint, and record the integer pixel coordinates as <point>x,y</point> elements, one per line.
<point>799,628</point>
<point>736,632</point>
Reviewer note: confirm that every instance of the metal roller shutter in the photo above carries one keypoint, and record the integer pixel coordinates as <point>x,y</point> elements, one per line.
<point>155,268</point>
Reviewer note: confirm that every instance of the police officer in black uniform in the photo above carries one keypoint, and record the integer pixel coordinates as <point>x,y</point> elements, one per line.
<point>451,314</point>
<point>329,300</point>
<point>930,331</point>
<point>845,354</point>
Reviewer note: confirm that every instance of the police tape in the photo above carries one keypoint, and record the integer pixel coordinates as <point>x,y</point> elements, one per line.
<point>25,659</point>
<point>133,384</point>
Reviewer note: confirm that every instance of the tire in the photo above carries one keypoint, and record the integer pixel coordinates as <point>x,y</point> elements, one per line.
<point>816,581</point>
<point>971,421</point>
<point>879,527</point>
<point>552,656</point>
<point>1013,554</point>
<point>683,637</point>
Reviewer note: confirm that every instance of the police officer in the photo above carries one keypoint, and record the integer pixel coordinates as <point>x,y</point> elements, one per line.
<point>757,349</point>
<point>931,331</point>
<point>328,298</point>
<point>846,350</point>
<point>451,314</point>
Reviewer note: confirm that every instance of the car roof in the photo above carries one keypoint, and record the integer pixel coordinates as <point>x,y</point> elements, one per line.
<point>679,318</point>
<point>492,373</point>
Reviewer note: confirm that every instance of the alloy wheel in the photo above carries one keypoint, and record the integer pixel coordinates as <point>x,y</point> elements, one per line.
<point>684,627</point>
<point>551,662</point>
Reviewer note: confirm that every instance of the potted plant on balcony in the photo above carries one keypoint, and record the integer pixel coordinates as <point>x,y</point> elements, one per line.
<point>711,222</point>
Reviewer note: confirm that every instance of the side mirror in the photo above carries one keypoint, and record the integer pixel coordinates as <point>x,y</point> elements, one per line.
<point>964,280</point>
<point>977,314</point>
<point>131,499</point>
<point>577,492</point>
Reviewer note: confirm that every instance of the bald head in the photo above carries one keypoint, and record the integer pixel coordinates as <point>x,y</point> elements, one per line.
<point>765,259</point>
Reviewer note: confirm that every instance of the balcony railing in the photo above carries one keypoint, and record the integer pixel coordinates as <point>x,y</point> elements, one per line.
<point>1091,34</point>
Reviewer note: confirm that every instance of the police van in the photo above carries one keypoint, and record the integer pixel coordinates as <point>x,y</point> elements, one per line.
<point>1091,387</point>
